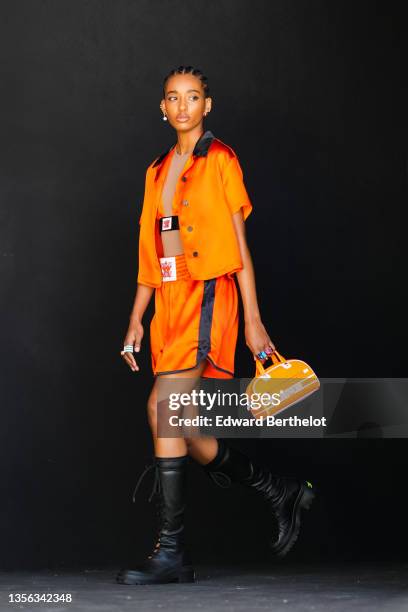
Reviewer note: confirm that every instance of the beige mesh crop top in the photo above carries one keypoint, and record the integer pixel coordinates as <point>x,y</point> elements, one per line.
<point>171,240</point>
<point>175,169</point>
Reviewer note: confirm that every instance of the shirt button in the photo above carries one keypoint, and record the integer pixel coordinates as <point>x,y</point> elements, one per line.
<point>189,229</point>
<point>195,253</point>
<point>184,178</point>
<point>185,202</point>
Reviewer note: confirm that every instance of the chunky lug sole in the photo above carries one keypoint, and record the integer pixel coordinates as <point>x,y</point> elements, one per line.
<point>186,574</point>
<point>303,501</point>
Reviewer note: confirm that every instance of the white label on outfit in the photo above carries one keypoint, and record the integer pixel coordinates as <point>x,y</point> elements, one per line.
<point>166,223</point>
<point>168,268</point>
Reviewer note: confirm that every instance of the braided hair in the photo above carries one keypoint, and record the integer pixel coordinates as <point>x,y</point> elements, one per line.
<point>189,70</point>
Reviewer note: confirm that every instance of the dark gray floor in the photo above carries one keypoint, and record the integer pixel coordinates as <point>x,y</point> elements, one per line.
<point>319,588</point>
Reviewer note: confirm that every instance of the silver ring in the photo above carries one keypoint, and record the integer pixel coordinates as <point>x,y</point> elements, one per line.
<point>128,348</point>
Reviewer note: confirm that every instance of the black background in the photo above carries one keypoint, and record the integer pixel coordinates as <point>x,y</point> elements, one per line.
<point>310,95</point>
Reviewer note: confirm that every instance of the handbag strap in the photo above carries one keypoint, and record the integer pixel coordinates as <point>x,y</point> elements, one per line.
<point>275,357</point>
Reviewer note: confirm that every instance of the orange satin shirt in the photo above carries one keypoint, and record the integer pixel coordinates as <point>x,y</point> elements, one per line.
<point>208,192</point>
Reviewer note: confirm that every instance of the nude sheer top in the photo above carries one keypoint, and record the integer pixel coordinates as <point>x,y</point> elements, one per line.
<point>175,169</point>
<point>171,239</point>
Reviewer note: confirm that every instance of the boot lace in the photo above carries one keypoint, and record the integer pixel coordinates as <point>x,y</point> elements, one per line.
<point>156,483</point>
<point>221,479</point>
<point>156,490</point>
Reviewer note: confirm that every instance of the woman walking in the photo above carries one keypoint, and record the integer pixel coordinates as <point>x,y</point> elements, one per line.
<point>191,246</point>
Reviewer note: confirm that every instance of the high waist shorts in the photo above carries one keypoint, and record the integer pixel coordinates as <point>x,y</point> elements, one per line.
<point>194,320</point>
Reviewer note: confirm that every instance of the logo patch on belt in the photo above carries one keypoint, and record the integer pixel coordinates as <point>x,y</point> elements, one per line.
<point>166,223</point>
<point>168,268</point>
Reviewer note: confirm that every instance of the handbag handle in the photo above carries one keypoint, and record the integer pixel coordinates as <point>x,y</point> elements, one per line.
<point>275,357</point>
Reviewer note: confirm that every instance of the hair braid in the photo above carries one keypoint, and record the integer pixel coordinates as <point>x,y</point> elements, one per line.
<point>189,70</point>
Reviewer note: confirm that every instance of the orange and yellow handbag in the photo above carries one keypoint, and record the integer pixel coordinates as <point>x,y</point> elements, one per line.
<point>284,383</point>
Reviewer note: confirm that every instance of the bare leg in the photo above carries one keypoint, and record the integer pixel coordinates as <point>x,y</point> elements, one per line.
<point>176,446</point>
<point>203,449</point>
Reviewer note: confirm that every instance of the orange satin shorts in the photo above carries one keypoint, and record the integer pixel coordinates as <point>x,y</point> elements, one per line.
<point>194,320</point>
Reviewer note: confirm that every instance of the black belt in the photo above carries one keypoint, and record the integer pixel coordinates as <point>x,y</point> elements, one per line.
<point>169,223</point>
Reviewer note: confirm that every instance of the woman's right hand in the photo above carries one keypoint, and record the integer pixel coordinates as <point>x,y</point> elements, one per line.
<point>134,337</point>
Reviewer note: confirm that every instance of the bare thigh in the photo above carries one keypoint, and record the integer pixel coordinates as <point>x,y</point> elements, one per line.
<point>203,449</point>
<point>180,382</point>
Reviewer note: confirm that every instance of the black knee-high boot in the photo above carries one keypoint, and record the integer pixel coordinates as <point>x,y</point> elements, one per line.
<point>285,496</point>
<point>169,561</point>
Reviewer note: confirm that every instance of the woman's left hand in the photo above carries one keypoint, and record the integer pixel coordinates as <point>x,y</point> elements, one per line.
<point>257,339</point>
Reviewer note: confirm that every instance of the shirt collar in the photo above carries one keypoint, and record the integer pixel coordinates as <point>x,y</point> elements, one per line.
<point>200,150</point>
